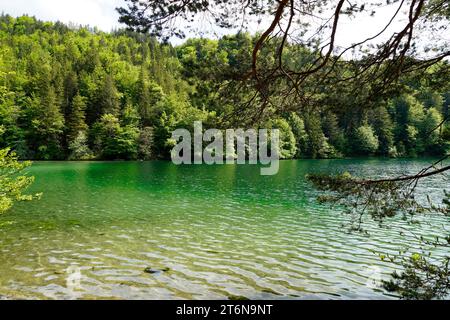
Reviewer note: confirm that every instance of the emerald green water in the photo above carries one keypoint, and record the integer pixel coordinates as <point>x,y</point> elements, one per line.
<point>209,232</point>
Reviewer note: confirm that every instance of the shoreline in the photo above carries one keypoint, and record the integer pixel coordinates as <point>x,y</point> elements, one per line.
<point>430,157</point>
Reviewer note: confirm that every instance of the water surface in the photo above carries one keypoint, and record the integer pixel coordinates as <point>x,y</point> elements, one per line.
<point>208,232</point>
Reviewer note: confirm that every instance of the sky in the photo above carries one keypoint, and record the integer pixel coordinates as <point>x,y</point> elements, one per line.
<point>101,13</point>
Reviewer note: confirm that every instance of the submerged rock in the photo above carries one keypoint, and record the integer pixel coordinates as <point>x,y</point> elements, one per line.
<point>153,271</point>
<point>150,270</point>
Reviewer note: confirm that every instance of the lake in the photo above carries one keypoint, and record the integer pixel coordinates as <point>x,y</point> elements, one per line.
<point>202,232</point>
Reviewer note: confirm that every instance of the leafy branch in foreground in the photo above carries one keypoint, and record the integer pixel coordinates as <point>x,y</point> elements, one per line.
<point>381,198</point>
<point>12,180</point>
<point>424,276</point>
<point>381,58</point>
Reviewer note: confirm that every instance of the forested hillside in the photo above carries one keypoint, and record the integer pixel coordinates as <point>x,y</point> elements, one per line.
<point>77,93</point>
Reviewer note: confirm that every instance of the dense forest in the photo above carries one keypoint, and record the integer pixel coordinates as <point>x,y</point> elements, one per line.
<point>77,93</point>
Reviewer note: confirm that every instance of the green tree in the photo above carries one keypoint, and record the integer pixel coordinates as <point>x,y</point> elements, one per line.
<point>430,133</point>
<point>146,142</point>
<point>317,146</point>
<point>76,122</point>
<point>384,129</point>
<point>70,89</point>
<point>288,144</point>
<point>130,115</point>
<point>79,147</point>
<point>365,141</point>
<point>333,132</point>
<point>301,137</point>
<point>112,141</point>
<point>108,97</point>
<point>409,114</point>
<point>150,94</point>
<point>144,100</point>
<point>47,126</point>
<point>13,180</point>
<point>13,135</point>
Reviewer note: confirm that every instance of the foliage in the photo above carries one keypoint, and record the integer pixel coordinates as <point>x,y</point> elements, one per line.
<point>423,276</point>
<point>421,279</point>
<point>288,147</point>
<point>298,128</point>
<point>56,82</point>
<point>79,149</point>
<point>113,141</point>
<point>365,141</point>
<point>78,93</point>
<point>13,180</point>
<point>145,142</point>
<point>76,120</point>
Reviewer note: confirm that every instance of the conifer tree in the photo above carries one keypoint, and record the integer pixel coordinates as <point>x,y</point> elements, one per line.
<point>108,97</point>
<point>77,118</point>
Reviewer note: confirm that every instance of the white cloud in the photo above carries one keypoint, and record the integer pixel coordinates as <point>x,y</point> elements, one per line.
<point>100,13</point>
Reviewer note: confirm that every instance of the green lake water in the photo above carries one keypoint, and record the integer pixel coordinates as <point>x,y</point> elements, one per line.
<point>207,232</point>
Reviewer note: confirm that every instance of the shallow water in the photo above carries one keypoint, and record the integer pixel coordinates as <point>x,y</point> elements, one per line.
<point>208,232</point>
